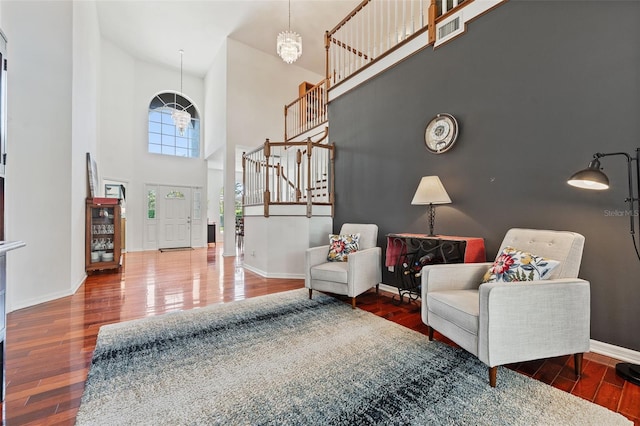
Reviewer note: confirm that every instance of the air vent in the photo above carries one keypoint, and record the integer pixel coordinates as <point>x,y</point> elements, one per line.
<point>450,28</point>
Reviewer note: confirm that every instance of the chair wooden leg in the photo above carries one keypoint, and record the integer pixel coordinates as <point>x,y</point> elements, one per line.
<point>353,302</point>
<point>493,376</point>
<point>577,360</point>
<point>310,293</point>
<point>377,288</point>
<point>430,333</point>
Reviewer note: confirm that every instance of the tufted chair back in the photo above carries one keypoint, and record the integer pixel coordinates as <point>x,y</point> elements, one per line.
<point>563,246</point>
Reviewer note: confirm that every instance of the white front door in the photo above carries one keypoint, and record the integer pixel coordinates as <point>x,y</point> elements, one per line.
<point>174,223</point>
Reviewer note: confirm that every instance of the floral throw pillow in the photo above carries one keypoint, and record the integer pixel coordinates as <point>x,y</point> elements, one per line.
<point>513,265</point>
<point>341,245</point>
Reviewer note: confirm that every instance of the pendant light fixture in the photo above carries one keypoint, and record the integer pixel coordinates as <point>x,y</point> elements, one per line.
<point>289,43</point>
<point>181,118</point>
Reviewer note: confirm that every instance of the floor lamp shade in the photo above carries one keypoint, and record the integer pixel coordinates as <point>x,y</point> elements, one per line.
<point>593,178</point>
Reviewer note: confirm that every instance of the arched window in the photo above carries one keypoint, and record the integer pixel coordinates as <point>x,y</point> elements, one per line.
<point>164,135</point>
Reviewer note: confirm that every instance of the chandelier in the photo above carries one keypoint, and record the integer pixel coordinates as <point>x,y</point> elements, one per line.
<point>289,43</point>
<point>181,118</point>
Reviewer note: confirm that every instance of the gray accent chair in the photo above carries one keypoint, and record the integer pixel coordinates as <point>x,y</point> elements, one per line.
<point>361,272</point>
<point>503,323</point>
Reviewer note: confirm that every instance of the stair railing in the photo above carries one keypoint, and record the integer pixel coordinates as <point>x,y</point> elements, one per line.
<point>376,28</point>
<point>307,112</point>
<point>294,173</point>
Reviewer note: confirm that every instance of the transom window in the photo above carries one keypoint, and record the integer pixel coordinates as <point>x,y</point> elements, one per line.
<point>164,135</point>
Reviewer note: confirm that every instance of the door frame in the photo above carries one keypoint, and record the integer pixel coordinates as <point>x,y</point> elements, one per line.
<point>151,229</point>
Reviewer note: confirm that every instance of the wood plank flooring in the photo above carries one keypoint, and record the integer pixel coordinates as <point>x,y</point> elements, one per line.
<point>49,346</point>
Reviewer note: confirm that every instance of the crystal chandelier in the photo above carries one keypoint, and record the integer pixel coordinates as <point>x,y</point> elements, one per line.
<point>289,43</point>
<point>181,118</point>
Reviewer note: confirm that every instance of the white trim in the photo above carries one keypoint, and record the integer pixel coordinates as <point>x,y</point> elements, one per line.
<point>420,42</point>
<point>273,274</point>
<point>472,10</point>
<point>48,298</point>
<point>461,28</point>
<point>388,288</point>
<point>617,352</point>
<point>311,133</point>
<point>288,210</point>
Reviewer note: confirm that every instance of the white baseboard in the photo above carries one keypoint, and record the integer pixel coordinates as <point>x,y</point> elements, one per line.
<point>272,274</point>
<point>617,352</point>
<point>388,288</point>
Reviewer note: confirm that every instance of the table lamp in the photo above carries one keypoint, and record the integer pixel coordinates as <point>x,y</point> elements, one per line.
<point>430,191</point>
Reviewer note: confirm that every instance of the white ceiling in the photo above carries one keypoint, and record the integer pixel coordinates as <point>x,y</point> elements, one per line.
<point>155,30</point>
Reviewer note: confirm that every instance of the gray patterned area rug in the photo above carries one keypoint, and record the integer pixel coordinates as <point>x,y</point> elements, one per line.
<point>283,359</point>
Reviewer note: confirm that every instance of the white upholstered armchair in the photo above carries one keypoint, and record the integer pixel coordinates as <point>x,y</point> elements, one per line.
<point>362,271</point>
<point>508,322</point>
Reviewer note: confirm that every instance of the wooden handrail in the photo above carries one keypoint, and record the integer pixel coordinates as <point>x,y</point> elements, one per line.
<point>273,174</point>
<point>349,16</point>
<point>321,83</point>
<point>307,111</point>
<point>375,28</point>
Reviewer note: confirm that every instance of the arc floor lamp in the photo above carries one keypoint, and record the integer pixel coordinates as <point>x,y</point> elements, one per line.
<point>593,178</point>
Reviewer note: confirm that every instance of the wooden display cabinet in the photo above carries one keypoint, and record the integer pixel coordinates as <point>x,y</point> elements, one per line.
<point>103,234</point>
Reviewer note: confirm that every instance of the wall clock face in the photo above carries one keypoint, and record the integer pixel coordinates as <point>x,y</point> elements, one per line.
<point>441,133</point>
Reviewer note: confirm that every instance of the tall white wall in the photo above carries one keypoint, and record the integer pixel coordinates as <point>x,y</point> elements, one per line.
<point>71,92</point>
<point>127,87</point>
<point>259,85</point>
<point>248,89</point>
<point>84,123</point>
<point>215,96</point>
<point>39,190</point>
<point>215,183</point>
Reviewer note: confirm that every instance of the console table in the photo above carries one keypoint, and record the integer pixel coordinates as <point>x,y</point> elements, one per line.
<point>407,254</point>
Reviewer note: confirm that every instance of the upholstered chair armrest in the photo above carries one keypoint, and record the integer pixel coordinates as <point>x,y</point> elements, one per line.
<point>532,320</point>
<point>453,276</point>
<point>313,256</point>
<point>364,270</point>
<point>316,255</point>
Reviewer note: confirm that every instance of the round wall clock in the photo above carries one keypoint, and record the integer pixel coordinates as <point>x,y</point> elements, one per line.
<point>441,133</point>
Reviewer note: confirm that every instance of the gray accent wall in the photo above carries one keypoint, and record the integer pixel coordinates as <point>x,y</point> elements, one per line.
<point>538,87</point>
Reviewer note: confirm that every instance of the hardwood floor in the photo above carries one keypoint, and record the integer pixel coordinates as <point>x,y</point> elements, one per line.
<point>49,346</point>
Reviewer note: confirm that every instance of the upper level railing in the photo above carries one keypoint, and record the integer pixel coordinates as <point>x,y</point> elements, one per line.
<point>289,173</point>
<point>377,27</point>
<point>372,30</point>
<point>307,112</point>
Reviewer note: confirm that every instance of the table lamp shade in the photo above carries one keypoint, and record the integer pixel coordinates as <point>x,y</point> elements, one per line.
<point>430,191</point>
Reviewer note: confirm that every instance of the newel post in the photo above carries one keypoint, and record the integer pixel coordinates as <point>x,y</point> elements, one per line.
<point>309,172</point>
<point>267,194</point>
<point>244,179</point>
<point>286,110</point>
<point>298,183</point>
<point>327,41</point>
<point>332,155</point>
<point>433,10</point>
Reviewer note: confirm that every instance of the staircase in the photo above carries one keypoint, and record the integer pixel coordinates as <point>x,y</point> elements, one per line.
<point>288,186</point>
<point>289,174</point>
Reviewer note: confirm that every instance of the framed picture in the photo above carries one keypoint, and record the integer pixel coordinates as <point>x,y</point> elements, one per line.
<point>114,191</point>
<point>92,175</point>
